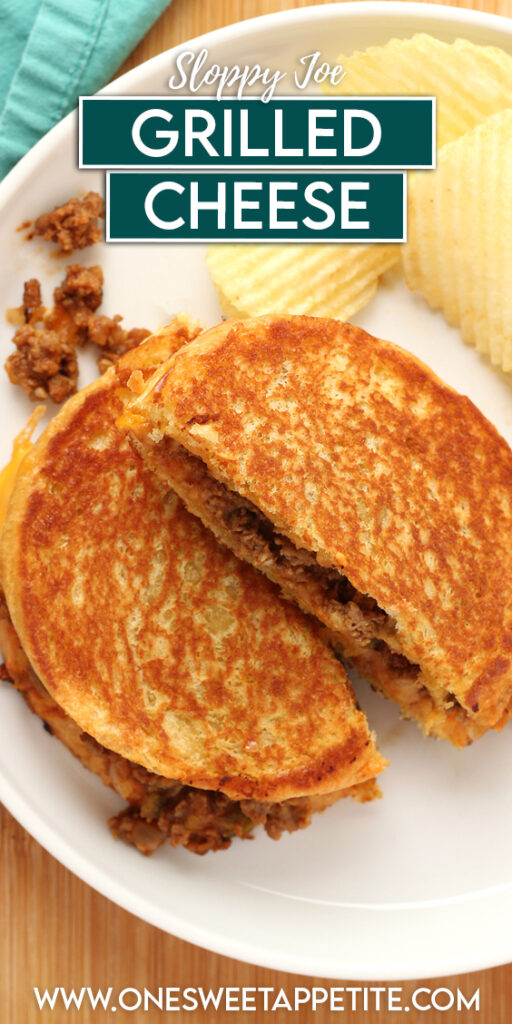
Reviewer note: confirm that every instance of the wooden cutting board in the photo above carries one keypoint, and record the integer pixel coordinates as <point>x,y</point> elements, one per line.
<point>56,931</point>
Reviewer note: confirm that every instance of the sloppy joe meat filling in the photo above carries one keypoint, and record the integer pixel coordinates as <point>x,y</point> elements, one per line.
<point>265,547</point>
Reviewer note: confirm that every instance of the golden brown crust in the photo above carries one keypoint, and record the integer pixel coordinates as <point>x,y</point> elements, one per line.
<point>354,449</point>
<point>351,635</point>
<point>160,810</point>
<point>157,642</point>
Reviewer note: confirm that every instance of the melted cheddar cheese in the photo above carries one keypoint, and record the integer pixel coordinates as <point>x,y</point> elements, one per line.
<point>21,445</point>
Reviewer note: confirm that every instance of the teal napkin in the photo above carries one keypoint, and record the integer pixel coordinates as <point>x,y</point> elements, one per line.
<point>53,51</point>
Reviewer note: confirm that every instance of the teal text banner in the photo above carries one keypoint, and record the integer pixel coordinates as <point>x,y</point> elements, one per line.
<point>306,132</point>
<point>243,206</point>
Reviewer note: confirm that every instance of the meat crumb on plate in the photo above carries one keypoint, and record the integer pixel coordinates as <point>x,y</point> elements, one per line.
<point>74,225</point>
<point>45,361</point>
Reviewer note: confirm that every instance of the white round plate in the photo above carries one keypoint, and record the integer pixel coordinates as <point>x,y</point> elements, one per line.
<point>416,884</point>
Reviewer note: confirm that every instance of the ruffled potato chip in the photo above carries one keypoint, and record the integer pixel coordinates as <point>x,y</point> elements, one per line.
<point>459,250</point>
<point>318,280</point>
<point>470,82</point>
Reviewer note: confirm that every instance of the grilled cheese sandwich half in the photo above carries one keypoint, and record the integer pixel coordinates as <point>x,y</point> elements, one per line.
<point>378,498</point>
<point>171,668</point>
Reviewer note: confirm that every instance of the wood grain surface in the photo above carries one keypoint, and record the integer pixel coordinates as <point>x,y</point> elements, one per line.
<point>56,931</point>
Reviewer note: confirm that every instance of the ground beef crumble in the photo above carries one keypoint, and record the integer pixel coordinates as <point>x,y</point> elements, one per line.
<point>74,225</point>
<point>81,291</point>
<point>45,363</point>
<point>203,820</point>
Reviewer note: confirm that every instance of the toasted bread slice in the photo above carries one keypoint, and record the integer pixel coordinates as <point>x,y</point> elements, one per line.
<point>159,644</point>
<point>375,495</point>
<point>161,810</point>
